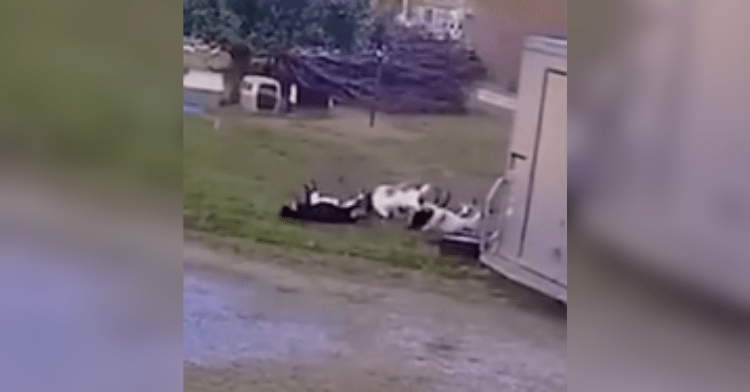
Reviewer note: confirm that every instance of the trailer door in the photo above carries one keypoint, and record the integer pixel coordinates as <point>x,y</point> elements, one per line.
<point>544,233</point>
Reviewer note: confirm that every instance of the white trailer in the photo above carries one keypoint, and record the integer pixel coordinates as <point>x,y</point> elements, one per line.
<point>530,225</point>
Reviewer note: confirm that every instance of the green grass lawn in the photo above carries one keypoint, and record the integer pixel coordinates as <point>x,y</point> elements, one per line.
<point>236,179</point>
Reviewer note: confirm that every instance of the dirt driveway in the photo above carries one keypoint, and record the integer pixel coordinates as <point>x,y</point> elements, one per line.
<point>261,327</point>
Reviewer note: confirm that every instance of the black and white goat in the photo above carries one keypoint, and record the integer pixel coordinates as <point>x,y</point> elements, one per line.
<point>326,209</point>
<point>431,217</point>
<point>322,213</point>
<point>390,201</point>
<point>313,196</point>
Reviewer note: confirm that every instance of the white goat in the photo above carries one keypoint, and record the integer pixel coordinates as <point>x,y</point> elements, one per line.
<point>465,209</point>
<point>389,201</point>
<point>435,218</point>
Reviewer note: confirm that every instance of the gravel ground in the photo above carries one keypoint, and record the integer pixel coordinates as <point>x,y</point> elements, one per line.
<point>266,328</point>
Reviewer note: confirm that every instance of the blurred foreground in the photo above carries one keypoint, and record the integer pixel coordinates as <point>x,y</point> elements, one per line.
<point>90,162</point>
<point>75,318</point>
<point>658,152</point>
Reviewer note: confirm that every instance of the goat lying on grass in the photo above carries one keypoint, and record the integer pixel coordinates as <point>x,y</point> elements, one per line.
<point>321,209</point>
<point>390,201</point>
<point>437,218</point>
<point>314,197</point>
<point>465,210</point>
<point>321,213</point>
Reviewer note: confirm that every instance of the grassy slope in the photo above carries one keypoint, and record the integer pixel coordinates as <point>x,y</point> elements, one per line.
<point>236,180</point>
